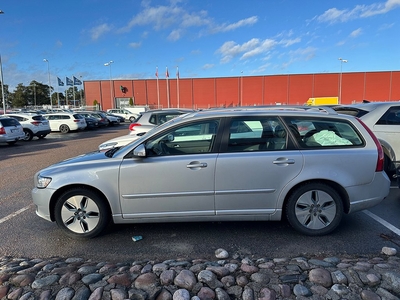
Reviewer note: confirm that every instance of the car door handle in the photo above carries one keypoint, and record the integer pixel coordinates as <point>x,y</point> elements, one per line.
<point>196,165</point>
<point>283,161</point>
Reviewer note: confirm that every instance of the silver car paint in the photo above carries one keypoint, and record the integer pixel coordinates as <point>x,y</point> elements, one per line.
<point>139,189</point>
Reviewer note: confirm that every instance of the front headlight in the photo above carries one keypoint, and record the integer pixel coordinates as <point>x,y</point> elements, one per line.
<point>42,182</point>
<point>107,146</point>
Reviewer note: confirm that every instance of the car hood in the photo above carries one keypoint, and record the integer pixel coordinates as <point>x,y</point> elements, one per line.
<point>91,157</point>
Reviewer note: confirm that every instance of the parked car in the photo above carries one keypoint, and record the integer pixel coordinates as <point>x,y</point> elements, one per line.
<point>124,113</point>
<point>222,165</point>
<point>121,119</point>
<point>65,122</point>
<point>111,119</point>
<point>152,118</point>
<point>101,119</point>
<point>33,124</point>
<point>91,123</point>
<point>120,141</point>
<point>384,120</point>
<point>11,130</point>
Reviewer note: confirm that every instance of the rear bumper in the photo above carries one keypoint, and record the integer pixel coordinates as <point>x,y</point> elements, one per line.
<point>362,197</point>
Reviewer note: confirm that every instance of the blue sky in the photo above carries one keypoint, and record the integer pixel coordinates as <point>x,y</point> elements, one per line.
<point>208,38</point>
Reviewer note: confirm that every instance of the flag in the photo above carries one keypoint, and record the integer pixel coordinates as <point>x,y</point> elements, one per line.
<point>177,72</point>
<point>60,83</point>
<point>157,72</point>
<point>77,81</point>
<point>69,81</point>
<point>166,72</point>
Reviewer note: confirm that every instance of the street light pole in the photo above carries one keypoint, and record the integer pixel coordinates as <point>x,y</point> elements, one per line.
<point>111,90</point>
<point>340,79</point>
<point>48,71</point>
<point>2,83</point>
<point>2,87</point>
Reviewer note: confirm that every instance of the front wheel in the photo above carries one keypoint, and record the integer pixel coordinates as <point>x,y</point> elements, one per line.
<point>314,209</point>
<point>81,213</point>
<point>64,128</point>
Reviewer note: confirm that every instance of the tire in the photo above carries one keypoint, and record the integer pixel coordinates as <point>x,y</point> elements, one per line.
<point>64,128</point>
<point>132,119</point>
<point>81,213</point>
<point>28,135</point>
<point>314,209</point>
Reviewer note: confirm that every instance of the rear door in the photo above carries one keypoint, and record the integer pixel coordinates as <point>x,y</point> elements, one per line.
<point>254,168</point>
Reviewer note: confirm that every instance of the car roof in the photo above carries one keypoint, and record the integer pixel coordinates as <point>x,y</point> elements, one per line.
<point>369,106</point>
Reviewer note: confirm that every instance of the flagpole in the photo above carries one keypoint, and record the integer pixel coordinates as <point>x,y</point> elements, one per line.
<point>177,84</point>
<point>158,90</point>
<point>167,75</point>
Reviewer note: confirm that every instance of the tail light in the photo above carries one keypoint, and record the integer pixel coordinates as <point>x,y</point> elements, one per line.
<point>77,120</point>
<point>36,123</point>
<point>381,155</point>
<point>2,130</point>
<point>133,125</point>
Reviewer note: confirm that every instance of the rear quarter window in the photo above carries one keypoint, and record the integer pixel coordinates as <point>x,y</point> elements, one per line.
<point>323,133</point>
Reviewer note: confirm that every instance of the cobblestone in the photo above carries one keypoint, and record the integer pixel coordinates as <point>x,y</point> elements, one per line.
<point>365,278</point>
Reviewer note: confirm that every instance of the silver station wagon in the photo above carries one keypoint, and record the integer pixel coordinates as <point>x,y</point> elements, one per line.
<point>310,167</point>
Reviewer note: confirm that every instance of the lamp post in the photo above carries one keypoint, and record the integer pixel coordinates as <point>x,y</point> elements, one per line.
<point>34,93</point>
<point>340,79</point>
<point>111,90</point>
<point>2,87</point>
<point>48,71</point>
<point>2,84</point>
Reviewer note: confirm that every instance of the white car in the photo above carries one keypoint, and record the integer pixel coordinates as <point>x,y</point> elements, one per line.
<point>126,114</point>
<point>120,141</point>
<point>11,130</point>
<point>33,124</point>
<point>384,120</point>
<point>65,122</point>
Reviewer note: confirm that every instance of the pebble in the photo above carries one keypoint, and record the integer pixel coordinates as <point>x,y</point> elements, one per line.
<point>233,277</point>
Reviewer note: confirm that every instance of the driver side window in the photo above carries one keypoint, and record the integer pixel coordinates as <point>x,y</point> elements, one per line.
<point>193,138</point>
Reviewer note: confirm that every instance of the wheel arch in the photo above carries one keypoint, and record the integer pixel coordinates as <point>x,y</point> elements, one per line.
<point>64,189</point>
<point>339,189</point>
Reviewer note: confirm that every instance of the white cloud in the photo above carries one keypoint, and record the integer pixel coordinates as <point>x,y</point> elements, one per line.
<point>98,31</point>
<point>208,66</point>
<point>135,45</point>
<point>241,23</point>
<point>334,15</point>
<point>356,33</point>
<point>175,35</point>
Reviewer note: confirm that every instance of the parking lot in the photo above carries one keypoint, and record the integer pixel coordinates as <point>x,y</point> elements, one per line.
<point>23,234</point>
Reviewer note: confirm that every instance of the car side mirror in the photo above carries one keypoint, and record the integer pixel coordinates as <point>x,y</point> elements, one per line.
<point>140,151</point>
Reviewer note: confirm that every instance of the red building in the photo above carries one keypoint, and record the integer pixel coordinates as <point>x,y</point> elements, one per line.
<point>244,91</point>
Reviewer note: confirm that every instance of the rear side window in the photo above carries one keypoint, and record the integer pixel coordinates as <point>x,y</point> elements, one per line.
<point>391,117</point>
<point>323,132</point>
<point>9,122</point>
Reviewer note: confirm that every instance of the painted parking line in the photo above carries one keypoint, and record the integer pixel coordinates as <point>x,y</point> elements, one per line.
<point>10,216</point>
<point>383,222</point>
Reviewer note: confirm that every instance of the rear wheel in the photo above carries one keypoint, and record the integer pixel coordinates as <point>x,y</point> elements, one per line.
<point>132,119</point>
<point>28,135</point>
<point>314,209</point>
<point>64,128</point>
<point>81,213</point>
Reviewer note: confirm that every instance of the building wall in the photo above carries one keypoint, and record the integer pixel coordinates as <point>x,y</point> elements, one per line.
<point>249,90</point>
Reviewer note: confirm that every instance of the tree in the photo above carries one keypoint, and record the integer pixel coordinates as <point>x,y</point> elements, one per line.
<point>73,93</point>
<point>20,96</point>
